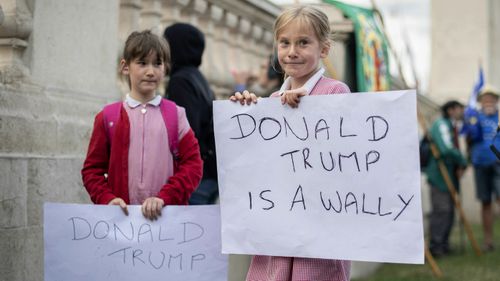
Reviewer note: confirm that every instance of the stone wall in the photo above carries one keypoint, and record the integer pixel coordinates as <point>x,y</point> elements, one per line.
<point>55,74</point>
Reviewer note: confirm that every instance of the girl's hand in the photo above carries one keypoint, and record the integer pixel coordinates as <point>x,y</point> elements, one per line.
<point>151,208</point>
<point>120,202</point>
<point>245,97</point>
<point>292,97</point>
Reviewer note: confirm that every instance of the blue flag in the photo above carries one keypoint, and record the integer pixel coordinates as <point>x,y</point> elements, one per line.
<point>475,91</point>
<point>470,114</point>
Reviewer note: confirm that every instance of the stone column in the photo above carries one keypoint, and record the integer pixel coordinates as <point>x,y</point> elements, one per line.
<point>129,21</point>
<point>151,16</point>
<point>266,45</point>
<point>213,53</point>
<point>494,43</point>
<point>255,48</point>
<point>193,11</point>
<point>46,120</point>
<point>336,57</point>
<point>206,25</point>
<point>171,12</point>
<point>341,28</point>
<point>231,55</point>
<point>130,13</point>
<point>221,53</point>
<point>244,61</point>
<point>16,24</point>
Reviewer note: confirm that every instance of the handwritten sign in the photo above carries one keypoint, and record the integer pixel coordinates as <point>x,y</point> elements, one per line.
<point>336,178</point>
<point>96,242</point>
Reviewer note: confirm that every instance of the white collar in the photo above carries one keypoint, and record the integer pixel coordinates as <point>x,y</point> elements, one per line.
<point>132,103</point>
<point>309,85</point>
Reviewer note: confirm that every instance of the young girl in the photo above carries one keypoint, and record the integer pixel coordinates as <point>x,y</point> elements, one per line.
<point>135,156</point>
<point>302,39</point>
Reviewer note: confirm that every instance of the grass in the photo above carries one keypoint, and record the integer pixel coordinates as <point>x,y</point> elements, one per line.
<point>462,265</point>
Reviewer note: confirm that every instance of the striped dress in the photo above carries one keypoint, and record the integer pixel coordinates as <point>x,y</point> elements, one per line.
<point>270,268</point>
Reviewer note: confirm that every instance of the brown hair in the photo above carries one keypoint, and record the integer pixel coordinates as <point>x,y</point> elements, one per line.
<point>141,44</point>
<point>307,15</point>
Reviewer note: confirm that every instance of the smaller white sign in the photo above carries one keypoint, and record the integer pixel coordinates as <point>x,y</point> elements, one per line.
<point>98,242</point>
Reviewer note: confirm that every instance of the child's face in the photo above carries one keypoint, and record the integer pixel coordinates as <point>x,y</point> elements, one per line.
<point>299,51</point>
<point>145,74</point>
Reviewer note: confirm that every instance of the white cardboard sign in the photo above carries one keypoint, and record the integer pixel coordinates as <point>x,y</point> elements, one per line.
<point>97,242</point>
<point>336,178</point>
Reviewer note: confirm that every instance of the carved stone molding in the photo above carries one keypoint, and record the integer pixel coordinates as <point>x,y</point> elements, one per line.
<point>129,17</point>
<point>171,11</point>
<point>151,16</point>
<point>16,25</point>
<point>194,10</point>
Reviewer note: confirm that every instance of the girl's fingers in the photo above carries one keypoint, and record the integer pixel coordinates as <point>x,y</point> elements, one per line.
<point>236,97</point>
<point>160,206</point>
<point>240,97</point>
<point>253,97</point>
<point>151,208</point>
<point>292,97</point>
<point>143,209</point>
<point>123,205</point>
<point>246,96</point>
<point>146,209</point>
<point>119,202</point>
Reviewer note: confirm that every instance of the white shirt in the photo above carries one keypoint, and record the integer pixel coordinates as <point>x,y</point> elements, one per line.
<point>308,86</point>
<point>132,103</point>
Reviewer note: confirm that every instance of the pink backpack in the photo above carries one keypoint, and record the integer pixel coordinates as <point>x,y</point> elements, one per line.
<point>168,109</point>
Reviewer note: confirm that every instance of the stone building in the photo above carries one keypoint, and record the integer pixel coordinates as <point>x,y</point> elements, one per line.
<point>464,35</point>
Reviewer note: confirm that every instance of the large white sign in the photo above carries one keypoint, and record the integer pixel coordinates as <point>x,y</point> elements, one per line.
<point>336,178</point>
<point>96,242</point>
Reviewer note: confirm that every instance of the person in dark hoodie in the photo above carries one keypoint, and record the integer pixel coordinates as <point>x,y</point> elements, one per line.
<point>188,88</point>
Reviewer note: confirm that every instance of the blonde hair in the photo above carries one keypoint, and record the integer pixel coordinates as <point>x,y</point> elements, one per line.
<point>307,16</point>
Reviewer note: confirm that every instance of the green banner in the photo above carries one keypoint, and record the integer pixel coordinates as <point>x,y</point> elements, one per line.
<point>372,60</point>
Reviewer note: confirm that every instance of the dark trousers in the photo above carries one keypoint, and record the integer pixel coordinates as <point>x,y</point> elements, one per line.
<point>206,193</point>
<point>441,221</point>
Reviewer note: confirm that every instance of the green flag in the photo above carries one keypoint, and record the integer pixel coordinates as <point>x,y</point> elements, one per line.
<point>372,60</point>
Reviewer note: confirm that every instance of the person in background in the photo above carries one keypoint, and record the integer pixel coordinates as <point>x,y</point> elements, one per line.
<point>444,135</point>
<point>130,159</point>
<point>268,80</point>
<point>481,131</point>
<point>188,88</point>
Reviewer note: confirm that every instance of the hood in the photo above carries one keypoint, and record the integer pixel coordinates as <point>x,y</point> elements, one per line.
<point>186,45</point>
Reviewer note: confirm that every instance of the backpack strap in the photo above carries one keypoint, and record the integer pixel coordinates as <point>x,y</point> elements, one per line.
<point>169,114</point>
<point>111,114</point>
